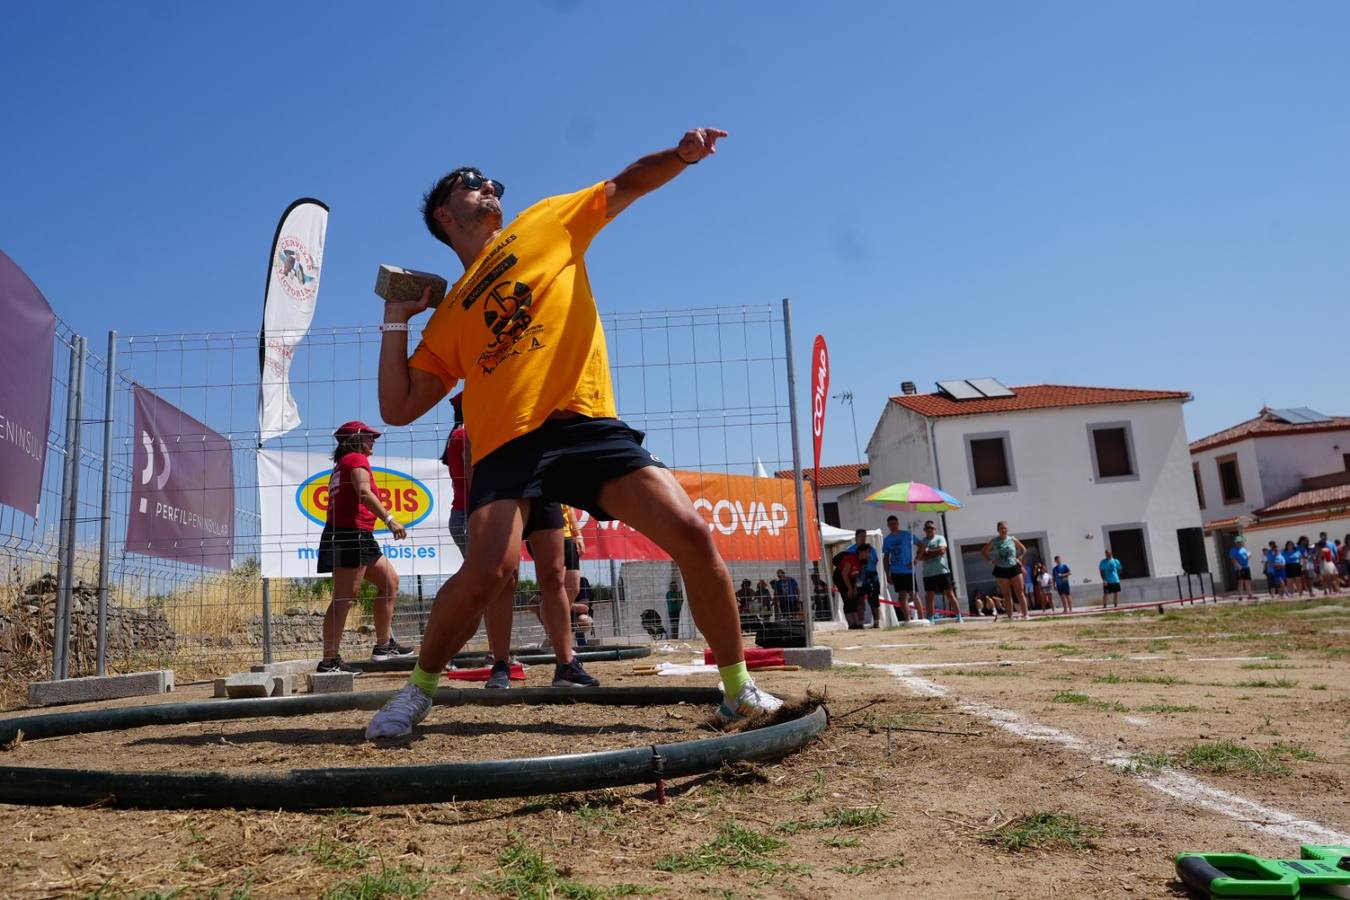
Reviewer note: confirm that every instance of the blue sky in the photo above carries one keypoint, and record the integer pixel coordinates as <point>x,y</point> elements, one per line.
<point>1142,195</point>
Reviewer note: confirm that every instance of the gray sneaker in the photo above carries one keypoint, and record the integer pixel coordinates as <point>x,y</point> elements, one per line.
<point>573,675</point>
<point>500,677</point>
<point>398,716</point>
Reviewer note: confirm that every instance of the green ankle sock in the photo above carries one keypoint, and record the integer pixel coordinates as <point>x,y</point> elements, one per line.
<point>425,681</point>
<point>734,677</point>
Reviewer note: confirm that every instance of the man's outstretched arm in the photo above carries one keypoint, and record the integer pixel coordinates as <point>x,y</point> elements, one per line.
<point>650,172</point>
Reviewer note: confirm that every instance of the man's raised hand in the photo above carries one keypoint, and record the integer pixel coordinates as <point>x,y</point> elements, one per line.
<point>402,312</point>
<point>699,143</point>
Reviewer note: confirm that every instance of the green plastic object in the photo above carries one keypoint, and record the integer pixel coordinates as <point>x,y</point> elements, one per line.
<point>1321,871</point>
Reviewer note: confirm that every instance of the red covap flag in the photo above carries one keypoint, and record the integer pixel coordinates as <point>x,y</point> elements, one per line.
<point>820,389</point>
<point>26,347</point>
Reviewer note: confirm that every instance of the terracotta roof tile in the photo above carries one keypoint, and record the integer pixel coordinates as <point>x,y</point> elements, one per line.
<point>831,476</point>
<point>1031,396</point>
<point>1332,496</point>
<point>1266,424</point>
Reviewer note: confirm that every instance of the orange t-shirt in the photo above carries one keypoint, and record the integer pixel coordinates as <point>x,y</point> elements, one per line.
<point>521,328</point>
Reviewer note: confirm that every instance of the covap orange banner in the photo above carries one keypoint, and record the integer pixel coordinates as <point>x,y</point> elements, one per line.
<point>751,519</point>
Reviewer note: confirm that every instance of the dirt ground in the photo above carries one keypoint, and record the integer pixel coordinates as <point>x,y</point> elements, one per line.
<point>1024,759</point>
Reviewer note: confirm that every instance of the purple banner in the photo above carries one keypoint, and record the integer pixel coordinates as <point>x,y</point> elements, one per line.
<point>182,487</point>
<point>26,346</point>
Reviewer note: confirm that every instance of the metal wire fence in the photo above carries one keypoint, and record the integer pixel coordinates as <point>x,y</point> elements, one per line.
<point>712,389</point>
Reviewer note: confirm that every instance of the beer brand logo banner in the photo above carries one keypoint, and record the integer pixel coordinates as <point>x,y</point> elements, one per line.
<point>26,348</point>
<point>820,389</point>
<point>292,292</point>
<point>294,501</point>
<point>182,487</point>
<point>751,520</point>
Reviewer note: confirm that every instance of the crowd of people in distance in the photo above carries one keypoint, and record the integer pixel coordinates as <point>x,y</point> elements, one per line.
<point>1299,566</point>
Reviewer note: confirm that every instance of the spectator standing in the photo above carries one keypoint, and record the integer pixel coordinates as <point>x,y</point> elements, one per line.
<point>1293,567</point>
<point>897,555</point>
<point>869,584</point>
<point>763,600</point>
<point>1045,599</point>
<point>745,599</point>
<point>787,595</point>
<point>1241,560</point>
<point>1308,566</point>
<point>1007,553</point>
<point>820,594</point>
<point>1274,567</point>
<point>1061,571</point>
<point>1326,565</point>
<point>846,582</point>
<point>937,571</point>
<point>674,605</point>
<point>1110,570</point>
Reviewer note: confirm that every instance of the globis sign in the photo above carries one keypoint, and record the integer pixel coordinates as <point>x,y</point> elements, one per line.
<point>406,498</point>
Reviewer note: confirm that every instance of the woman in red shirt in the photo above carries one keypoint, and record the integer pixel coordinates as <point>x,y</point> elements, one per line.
<point>348,548</point>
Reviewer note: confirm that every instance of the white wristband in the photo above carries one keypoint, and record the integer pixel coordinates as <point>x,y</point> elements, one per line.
<point>394,326</point>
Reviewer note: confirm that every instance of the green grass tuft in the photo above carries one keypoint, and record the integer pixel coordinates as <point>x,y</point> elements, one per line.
<point>526,873</point>
<point>1267,683</point>
<point>393,884</point>
<point>1039,828</point>
<point>1168,708</point>
<point>735,847</point>
<point>1076,699</point>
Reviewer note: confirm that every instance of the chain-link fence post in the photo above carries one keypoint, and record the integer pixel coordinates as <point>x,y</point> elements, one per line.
<point>70,494</point>
<point>105,505</point>
<point>805,585</point>
<point>267,620</point>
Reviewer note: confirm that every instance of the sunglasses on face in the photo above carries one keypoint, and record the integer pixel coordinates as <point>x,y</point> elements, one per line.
<point>473,181</point>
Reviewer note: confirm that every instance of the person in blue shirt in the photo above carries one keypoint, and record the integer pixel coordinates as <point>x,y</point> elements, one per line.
<point>1241,560</point>
<point>897,555</point>
<point>869,582</point>
<point>1293,567</point>
<point>1062,572</point>
<point>1110,569</point>
<point>1274,565</point>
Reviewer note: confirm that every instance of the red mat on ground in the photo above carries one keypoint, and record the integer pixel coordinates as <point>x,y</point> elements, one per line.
<point>755,657</point>
<point>517,673</point>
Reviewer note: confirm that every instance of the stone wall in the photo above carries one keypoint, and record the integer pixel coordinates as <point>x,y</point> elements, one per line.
<point>27,628</point>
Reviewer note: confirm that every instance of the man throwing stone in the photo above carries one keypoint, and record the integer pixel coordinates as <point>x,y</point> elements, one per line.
<point>520,328</point>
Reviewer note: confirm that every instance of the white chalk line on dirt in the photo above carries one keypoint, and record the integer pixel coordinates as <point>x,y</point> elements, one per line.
<point>1112,640</point>
<point>1074,659</point>
<point>1164,780</point>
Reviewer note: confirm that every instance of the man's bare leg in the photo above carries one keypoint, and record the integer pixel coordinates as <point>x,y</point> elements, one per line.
<point>555,611</point>
<point>488,571</point>
<point>652,501</point>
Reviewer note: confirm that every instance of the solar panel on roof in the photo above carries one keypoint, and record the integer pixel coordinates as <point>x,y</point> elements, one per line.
<point>1313,415</point>
<point>1301,415</point>
<point>990,387</point>
<point>959,390</point>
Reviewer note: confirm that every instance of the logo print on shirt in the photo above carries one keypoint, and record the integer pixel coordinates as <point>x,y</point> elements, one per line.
<point>506,312</point>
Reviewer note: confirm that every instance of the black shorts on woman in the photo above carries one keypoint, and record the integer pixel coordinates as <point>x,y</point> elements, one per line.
<point>1007,571</point>
<point>346,548</point>
<point>564,460</point>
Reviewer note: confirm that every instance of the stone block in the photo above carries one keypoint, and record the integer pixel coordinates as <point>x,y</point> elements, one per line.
<point>219,688</point>
<point>96,687</point>
<point>248,684</point>
<point>283,685</point>
<point>332,682</point>
<point>289,667</point>
<point>809,657</point>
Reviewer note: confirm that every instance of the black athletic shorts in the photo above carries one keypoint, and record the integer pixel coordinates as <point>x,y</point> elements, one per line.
<point>346,548</point>
<point>565,460</point>
<point>849,602</point>
<point>571,558</point>
<point>1244,574</point>
<point>1111,587</point>
<point>1293,570</point>
<point>902,582</point>
<point>1007,571</point>
<point>544,516</point>
<point>937,583</point>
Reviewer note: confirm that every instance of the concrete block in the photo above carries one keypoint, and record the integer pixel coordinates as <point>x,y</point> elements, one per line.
<point>809,657</point>
<point>289,667</point>
<point>95,687</point>
<point>248,684</point>
<point>283,685</point>
<point>218,687</point>
<point>332,682</point>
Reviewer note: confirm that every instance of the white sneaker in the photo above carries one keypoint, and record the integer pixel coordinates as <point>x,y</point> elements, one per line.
<point>398,716</point>
<point>750,701</point>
